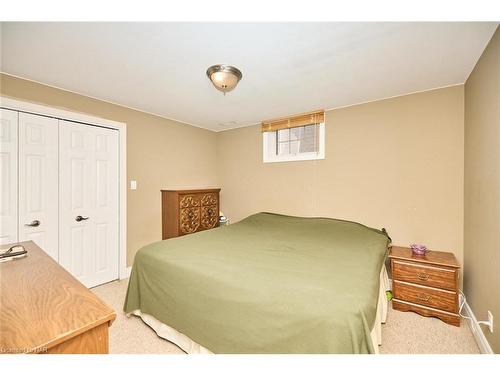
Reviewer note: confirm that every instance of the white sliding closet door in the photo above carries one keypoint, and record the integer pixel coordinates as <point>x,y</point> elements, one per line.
<point>88,203</point>
<point>8,176</point>
<point>38,185</point>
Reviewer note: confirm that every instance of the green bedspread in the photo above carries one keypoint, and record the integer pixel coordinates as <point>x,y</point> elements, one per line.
<point>267,284</point>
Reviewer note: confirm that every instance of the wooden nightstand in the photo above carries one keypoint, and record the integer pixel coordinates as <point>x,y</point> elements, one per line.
<point>427,285</point>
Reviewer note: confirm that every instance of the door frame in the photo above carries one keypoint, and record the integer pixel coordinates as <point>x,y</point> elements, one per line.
<point>63,114</point>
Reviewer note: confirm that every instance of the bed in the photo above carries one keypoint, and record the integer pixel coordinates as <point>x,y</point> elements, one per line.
<point>267,284</point>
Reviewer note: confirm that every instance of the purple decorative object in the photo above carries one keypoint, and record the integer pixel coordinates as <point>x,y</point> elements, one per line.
<point>418,249</point>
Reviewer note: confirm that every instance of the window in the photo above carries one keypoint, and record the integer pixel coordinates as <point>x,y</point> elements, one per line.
<point>297,138</point>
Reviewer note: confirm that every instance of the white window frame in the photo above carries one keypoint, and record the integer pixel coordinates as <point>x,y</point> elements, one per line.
<point>296,157</point>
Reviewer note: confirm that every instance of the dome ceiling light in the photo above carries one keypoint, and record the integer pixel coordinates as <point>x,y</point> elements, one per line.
<point>224,77</point>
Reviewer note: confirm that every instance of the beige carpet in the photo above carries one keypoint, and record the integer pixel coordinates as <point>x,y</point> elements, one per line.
<point>404,333</point>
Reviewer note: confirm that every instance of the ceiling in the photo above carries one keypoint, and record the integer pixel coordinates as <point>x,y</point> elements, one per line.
<point>287,68</point>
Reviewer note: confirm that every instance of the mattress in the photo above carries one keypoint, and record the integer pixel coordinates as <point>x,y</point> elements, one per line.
<point>268,284</point>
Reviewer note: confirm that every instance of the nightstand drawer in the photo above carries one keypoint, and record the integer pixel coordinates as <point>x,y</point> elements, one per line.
<point>437,277</point>
<point>426,296</point>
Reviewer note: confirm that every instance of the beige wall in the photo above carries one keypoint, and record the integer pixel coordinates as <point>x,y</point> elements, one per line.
<point>161,154</point>
<point>482,188</point>
<point>395,163</point>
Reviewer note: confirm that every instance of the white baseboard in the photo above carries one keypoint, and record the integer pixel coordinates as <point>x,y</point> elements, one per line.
<point>127,273</point>
<point>479,336</point>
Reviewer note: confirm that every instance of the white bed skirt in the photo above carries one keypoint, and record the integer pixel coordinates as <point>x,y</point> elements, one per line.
<point>191,347</point>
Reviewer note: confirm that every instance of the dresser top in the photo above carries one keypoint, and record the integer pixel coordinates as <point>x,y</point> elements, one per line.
<point>193,191</point>
<point>42,305</point>
<point>439,258</point>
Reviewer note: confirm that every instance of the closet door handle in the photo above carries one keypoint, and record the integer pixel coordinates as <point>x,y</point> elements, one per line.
<point>34,223</point>
<point>80,218</point>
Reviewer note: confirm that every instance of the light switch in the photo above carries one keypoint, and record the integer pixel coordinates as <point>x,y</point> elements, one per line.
<point>133,185</point>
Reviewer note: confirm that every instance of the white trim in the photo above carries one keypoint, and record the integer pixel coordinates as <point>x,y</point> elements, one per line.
<point>23,106</point>
<point>122,270</point>
<point>479,336</point>
<point>298,157</point>
<point>126,275</point>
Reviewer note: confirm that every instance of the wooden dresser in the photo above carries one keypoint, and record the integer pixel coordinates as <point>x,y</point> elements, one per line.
<point>427,285</point>
<point>189,211</point>
<point>44,309</point>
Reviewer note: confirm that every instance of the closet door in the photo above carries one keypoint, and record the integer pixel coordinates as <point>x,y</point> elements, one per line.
<point>8,176</point>
<point>38,185</point>
<point>88,203</point>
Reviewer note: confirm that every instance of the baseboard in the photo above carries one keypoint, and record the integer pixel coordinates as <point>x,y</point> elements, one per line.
<point>127,273</point>
<point>479,336</point>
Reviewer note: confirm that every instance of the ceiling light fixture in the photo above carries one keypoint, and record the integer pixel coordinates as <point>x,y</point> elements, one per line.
<point>224,77</point>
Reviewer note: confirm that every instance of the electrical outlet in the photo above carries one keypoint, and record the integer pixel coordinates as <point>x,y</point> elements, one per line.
<point>133,185</point>
<point>490,321</point>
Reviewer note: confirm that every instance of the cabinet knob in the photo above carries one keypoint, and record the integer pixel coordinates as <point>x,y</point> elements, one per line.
<point>80,218</point>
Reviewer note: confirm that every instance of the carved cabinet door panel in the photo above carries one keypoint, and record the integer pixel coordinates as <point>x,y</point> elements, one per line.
<point>209,210</point>
<point>189,200</point>
<point>189,220</point>
<point>189,213</point>
<point>209,216</point>
<point>208,199</point>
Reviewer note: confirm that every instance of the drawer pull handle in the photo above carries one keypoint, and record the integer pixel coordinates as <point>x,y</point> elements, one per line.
<point>422,276</point>
<point>423,297</point>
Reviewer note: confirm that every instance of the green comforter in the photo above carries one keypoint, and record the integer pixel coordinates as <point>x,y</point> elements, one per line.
<point>267,284</point>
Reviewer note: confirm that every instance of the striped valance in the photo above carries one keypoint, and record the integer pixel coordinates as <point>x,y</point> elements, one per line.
<point>310,118</point>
